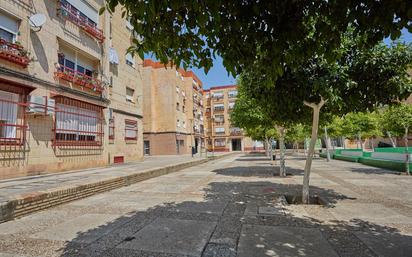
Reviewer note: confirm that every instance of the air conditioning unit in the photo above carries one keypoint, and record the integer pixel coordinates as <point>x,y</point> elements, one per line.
<point>40,105</point>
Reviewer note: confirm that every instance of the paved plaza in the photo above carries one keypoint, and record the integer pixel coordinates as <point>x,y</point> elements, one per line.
<point>227,207</point>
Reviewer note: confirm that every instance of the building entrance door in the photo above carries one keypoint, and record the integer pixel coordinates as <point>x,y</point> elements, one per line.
<point>236,144</point>
<point>146,146</point>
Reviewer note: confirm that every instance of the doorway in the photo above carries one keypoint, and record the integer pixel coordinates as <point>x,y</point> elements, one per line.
<point>146,146</point>
<point>237,144</point>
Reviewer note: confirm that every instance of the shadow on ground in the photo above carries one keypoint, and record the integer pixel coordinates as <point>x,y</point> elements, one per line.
<point>257,171</point>
<point>227,224</point>
<point>371,170</point>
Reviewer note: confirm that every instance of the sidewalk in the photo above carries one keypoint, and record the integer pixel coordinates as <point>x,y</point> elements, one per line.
<point>21,196</point>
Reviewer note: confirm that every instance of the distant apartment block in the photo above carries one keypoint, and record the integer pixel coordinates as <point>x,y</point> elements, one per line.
<point>173,110</point>
<point>70,97</point>
<point>220,135</point>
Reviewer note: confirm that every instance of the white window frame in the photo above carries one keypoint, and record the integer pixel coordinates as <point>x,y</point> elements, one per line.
<point>4,17</point>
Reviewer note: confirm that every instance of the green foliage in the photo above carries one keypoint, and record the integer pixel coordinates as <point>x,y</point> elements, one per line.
<point>396,118</point>
<point>247,114</point>
<point>361,124</point>
<point>297,133</point>
<point>191,32</point>
<point>334,127</point>
<point>361,79</point>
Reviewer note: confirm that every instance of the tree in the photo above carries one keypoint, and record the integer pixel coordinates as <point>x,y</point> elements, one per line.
<point>297,133</point>
<point>257,122</point>
<point>191,32</point>
<point>398,120</point>
<point>361,79</point>
<point>361,126</point>
<point>332,128</point>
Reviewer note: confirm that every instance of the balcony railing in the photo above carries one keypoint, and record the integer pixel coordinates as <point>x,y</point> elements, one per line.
<point>235,132</point>
<point>79,79</point>
<point>67,10</point>
<point>14,53</point>
<point>219,109</point>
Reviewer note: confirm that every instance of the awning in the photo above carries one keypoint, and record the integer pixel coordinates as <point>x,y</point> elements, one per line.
<point>113,56</point>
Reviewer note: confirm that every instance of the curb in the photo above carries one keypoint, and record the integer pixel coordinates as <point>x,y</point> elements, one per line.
<point>36,201</point>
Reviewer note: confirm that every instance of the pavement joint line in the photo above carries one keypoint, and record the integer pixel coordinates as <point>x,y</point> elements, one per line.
<point>31,202</point>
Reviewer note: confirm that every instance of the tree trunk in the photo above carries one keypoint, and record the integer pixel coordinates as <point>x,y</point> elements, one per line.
<point>270,149</point>
<point>282,171</point>
<point>390,138</point>
<point>315,125</point>
<point>327,145</point>
<point>266,147</point>
<point>406,151</point>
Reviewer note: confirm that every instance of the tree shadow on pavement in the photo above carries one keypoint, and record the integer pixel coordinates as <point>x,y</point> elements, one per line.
<point>227,224</point>
<point>257,171</point>
<point>372,170</point>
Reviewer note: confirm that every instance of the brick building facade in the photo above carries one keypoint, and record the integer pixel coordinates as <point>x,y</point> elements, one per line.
<point>69,94</point>
<point>173,109</point>
<point>221,136</point>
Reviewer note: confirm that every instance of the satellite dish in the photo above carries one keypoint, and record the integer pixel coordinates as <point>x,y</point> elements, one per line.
<point>37,21</point>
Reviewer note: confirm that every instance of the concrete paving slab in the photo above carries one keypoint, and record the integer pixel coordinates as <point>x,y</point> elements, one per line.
<point>270,210</point>
<point>214,207</point>
<point>185,237</point>
<point>260,241</point>
<point>387,244</point>
<point>372,212</point>
<point>85,229</point>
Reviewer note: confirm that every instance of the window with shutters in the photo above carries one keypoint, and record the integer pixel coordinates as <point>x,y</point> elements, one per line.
<point>130,130</point>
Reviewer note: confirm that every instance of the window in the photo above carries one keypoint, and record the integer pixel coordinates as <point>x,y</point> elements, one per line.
<point>9,28</point>
<point>77,123</point>
<point>219,130</point>
<point>219,107</point>
<point>218,95</point>
<point>231,105</point>
<point>232,93</point>
<point>129,95</point>
<point>220,142</point>
<point>177,107</point>
<point>219,118</point>
<point>8,115</point>
<point>177,89</point>
<point>130,60</point>
<point>178,123</point>
<point>111,128</point>
<point>88,15</point>
<point>184,124</point>
<point>70,64</point>
<point>130,130</point>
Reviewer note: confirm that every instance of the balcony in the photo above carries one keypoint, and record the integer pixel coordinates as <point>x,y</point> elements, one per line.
<point>218,98</point>
<point>72,14</point>
<point>79,79</point>
<point>219,109</point>
<point>14,53</point>
<point>235,132</point>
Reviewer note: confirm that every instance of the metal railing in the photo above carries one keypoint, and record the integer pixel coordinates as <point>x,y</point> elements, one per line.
<point>79,78</point>
<point>74,16</point>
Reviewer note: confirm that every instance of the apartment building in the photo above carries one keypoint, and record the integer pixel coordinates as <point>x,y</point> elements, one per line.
<point>173,109</point>
<point>221,136</point>
<point>69,94</point>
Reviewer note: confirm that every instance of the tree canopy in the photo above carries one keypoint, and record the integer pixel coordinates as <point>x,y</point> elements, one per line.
<point>397,118</point>
<point>192,33</point>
